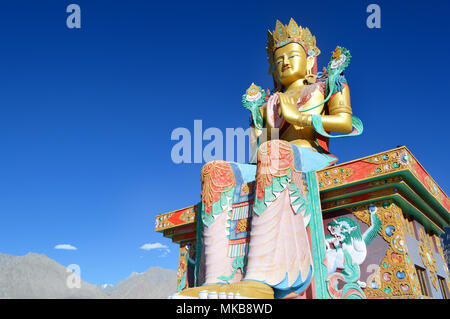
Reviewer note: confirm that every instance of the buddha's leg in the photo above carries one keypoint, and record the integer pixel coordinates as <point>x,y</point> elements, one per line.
<point>218,185</point>
<point>279,253</point>
<point>215,242</point>
<point>279,257</point>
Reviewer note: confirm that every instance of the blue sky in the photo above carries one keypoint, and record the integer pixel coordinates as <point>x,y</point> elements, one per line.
<point>86,114</point>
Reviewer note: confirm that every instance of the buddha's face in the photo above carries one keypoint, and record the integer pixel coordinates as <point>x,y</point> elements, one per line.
<point>290,61</point>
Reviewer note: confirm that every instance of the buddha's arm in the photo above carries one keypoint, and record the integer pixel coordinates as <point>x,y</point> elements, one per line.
<point>339,118</point>
<point>340,113</point>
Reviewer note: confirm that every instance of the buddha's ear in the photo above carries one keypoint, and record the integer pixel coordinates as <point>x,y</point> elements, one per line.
<point>310,61</point>
<point>311,72</point>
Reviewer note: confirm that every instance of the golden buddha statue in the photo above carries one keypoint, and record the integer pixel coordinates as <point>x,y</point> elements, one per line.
<point>275,259</point>
<point>293,65</point>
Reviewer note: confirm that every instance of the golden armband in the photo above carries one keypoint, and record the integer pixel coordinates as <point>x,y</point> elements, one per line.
<point>336,109</point>
<point>340,102</point>
<point>339,118</point>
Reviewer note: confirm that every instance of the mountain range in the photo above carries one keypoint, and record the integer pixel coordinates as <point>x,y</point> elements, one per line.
<point>37,276</point>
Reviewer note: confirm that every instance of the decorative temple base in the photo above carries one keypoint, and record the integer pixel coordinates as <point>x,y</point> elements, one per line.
<point>393,213</point>
<point>246,289</point>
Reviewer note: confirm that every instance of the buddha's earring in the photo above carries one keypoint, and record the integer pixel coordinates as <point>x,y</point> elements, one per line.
<point>310,77</point>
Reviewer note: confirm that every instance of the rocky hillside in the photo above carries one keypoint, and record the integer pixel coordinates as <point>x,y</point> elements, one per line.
<point>155,283</point>
<point>38,276</point>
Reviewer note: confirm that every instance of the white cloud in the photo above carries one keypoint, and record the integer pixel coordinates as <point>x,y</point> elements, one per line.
<point>151,246</point>
<point>65,247</point>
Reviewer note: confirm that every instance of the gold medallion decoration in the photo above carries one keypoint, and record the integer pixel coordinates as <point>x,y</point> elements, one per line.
<point>242,225</point>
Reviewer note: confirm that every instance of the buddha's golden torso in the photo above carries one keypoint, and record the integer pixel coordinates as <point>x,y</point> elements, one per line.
<point>303,136</point>
<point>299,135</point>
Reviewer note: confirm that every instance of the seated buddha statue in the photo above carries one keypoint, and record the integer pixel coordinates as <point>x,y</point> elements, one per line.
<point>275,260</point>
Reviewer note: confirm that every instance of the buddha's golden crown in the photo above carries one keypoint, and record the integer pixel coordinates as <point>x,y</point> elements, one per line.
<point>291,33</point>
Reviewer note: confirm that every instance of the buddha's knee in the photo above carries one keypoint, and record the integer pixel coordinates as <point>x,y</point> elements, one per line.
<point>216,177</point>
<point>218,171</point>
<point>275,155</point>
